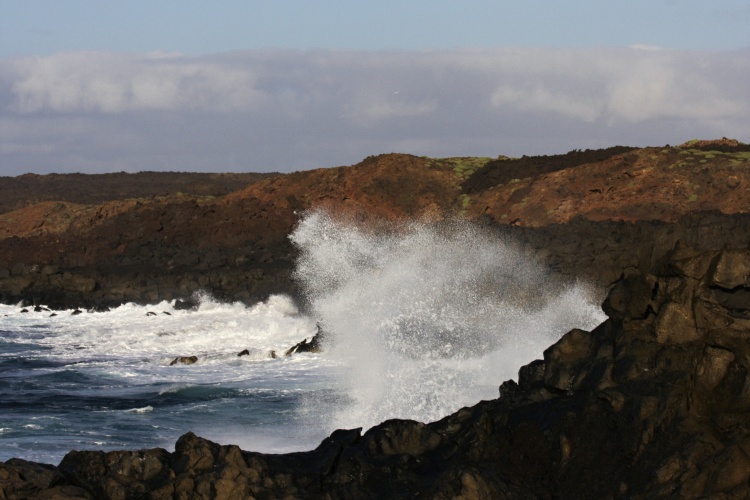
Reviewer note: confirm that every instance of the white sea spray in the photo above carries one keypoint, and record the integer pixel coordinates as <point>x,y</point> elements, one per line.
<point>426,318</point>
<point>422,319</point>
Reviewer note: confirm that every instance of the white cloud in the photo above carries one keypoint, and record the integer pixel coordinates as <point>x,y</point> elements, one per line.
<point>273,109</point>
<point>112,83</point>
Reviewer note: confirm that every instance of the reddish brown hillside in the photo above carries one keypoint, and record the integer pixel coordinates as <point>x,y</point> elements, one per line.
<point>236,246</point>
<point>647,184</point>
<point>388,186</point>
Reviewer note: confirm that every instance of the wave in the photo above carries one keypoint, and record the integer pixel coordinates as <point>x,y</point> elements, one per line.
<point>427,318</point>
<point>145,409</point>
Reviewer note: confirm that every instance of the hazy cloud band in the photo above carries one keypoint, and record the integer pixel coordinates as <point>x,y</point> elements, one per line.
<point>283,109</point>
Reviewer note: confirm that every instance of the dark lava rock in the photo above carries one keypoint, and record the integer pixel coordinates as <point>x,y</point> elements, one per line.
<point>313,346</point>
<point>184,360</point>
<point>653,403</point>
<point>21,479</point>
<point>87,189</point>
<point>187,304</point>
<point>502,171</point>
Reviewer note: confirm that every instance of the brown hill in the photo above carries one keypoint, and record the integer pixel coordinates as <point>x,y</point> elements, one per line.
<point>392,186</point>
<point>161,247</point>
<point>647,184</point>
<point>85,189</point>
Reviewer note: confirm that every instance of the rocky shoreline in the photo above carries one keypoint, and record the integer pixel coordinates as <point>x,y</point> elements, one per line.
<point>652,403</point>
<point>598,252</point>
<point>655,402</point>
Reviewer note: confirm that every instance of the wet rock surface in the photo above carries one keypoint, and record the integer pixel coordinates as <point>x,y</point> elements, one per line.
<point>653,403</point>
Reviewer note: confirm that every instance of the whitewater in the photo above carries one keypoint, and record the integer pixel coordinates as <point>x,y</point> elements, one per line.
<point>420,320</point>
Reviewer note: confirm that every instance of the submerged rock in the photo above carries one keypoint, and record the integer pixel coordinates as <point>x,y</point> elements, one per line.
<point>653,403</point>
<point>184,360</point>
<point>312,346</point>
<point>187,304</point>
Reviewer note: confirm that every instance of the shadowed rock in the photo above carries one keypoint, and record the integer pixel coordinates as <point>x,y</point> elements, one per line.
<point>653,403</point>
<point>184,360</point>
<point>311,346</point>
<point>187,304</point>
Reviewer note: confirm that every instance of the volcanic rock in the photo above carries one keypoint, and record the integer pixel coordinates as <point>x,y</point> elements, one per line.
<point>312,346</point>
<point>184,360</point>
<point>653,403</point>
<point>187,304</point>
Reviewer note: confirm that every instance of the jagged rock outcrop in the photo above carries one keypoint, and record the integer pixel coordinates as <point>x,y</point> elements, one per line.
<point>313,345</point>
<point>653,403</point>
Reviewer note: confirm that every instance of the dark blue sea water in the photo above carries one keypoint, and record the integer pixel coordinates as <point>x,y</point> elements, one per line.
<point>103,380</point>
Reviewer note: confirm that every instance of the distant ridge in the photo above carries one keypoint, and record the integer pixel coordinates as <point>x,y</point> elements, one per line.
<point>88,189</point>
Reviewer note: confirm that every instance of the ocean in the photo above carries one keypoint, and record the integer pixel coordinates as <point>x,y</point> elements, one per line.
<point>420,321</point>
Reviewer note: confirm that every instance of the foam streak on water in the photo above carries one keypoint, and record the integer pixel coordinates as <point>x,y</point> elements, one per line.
<point>428,318</point>
<point>104,380</point>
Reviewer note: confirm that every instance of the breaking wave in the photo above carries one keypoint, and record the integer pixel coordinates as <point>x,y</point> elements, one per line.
<point>426,318</point>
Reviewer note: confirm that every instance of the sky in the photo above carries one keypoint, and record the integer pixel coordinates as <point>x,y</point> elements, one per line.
<point>102,86</point>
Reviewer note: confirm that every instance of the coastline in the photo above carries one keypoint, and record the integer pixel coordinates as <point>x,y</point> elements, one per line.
<point>593,418</point>
<point>653,402</point>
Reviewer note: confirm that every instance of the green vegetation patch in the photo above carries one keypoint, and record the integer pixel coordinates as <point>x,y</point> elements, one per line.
<point>464,200</point>
<point>464,166</point>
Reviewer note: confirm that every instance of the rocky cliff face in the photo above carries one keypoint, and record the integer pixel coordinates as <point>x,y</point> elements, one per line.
<point>652,403</point>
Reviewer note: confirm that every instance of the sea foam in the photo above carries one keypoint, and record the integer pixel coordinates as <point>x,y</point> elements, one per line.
<point>426,318</point>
